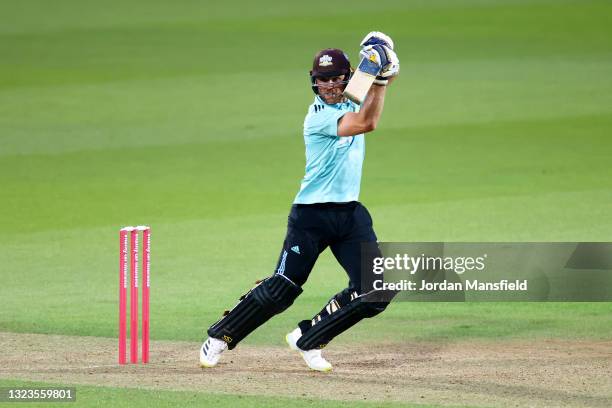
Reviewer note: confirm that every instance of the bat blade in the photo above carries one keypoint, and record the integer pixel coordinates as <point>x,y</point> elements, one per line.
<point>361,81</point>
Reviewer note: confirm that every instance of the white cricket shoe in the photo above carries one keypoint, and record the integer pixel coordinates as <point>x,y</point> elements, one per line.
<point>312,357</point>
<point>210,352</point>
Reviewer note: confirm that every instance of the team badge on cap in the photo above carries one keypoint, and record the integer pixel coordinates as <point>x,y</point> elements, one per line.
<point>325,60</point>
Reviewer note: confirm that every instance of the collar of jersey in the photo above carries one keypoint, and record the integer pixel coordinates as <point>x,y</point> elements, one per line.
<point>335,105</point>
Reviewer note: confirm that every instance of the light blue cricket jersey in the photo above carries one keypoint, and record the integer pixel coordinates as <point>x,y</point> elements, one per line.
<point>333,163</point>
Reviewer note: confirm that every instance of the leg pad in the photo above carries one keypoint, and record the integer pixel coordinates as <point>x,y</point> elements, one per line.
<point>342,312</point>
<point>270,297</point>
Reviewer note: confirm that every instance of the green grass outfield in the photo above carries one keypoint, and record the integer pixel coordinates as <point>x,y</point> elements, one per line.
<point>188,118</point>
<point>113,397</point>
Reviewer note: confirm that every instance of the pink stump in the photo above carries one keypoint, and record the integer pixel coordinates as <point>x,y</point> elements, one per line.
<point>123,250</point>
<point>146,278</point>
<point>134,299</point>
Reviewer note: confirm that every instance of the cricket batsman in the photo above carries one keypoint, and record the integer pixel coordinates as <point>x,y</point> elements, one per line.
<point>325,213</point>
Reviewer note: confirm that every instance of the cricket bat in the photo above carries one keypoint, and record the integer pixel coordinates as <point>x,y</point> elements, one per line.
<point>361,81</point>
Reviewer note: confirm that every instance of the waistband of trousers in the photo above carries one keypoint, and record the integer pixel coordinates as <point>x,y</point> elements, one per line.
<point>347,205</point>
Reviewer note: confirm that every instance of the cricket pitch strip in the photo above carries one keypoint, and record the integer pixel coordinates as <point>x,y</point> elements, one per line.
<point>535,373</point>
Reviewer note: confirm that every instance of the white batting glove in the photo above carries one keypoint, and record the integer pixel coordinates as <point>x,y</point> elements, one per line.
<point>375,53</point>
<point>393,67</point>
<point>386,58</point>
<point>376,38</point>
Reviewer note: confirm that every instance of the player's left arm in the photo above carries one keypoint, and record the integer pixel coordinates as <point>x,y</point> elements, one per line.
<point>366,120</point>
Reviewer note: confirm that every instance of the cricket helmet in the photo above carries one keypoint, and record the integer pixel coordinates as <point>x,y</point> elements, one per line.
<point>330,62</point>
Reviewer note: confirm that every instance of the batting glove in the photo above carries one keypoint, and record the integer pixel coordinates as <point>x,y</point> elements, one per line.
<point>376,38</point>
<point>376,54</point>
<point>393,67</point>
<point>386,58</point>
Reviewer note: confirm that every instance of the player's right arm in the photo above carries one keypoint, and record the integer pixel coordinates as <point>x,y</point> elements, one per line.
<point>366,120</point>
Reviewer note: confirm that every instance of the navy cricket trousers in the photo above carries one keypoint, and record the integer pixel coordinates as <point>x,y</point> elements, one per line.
<point>312,228</point>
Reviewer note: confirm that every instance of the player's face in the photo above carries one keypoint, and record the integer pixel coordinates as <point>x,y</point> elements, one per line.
<point>330,89</point>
